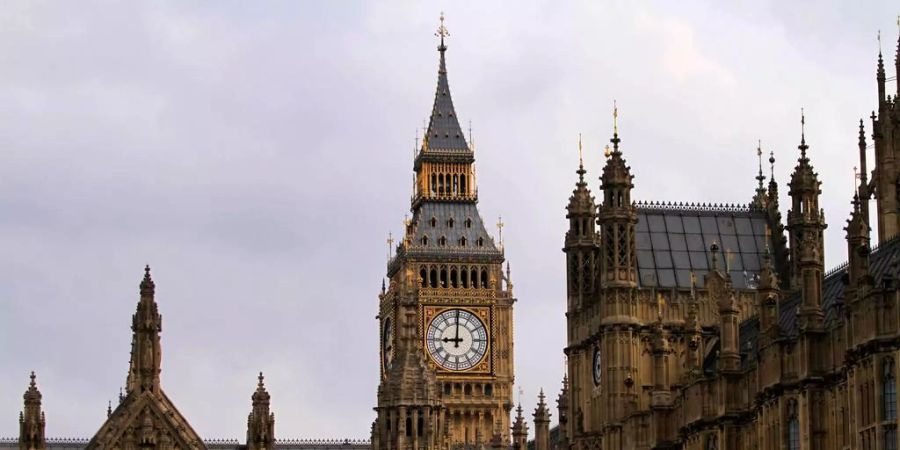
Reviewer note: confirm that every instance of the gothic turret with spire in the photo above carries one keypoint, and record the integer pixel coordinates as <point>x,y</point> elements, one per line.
<point>617,218</point>
<point>31,420</point>
<point>261,421</point>
<point>806,225</point>
<point>582,243</point>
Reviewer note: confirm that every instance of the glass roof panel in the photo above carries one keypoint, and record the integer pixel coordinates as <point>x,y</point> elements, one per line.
<point>695,242</point>
<point>681,260</point>
<point>683,277</point>
<point>674,224</point>
<point>751,261</point>
<point>759,226</point>
<point>641,223</point>
<point>742,225</point>
<point>642,240</point>
<point>729,243</point>
<point>663,259</point>
<point>708,225</point>
<point>726,225</point>
<point>656,222</point>
<point>748,244</point>
<point>677,242</point>
<point>666,278</point>
<point>645,259</point>
<point>699,261</point>
<point>660,241</point>
<point>691,224</point>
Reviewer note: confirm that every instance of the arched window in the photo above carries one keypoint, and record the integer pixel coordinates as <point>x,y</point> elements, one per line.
<point>712,442</point>
<point>468,223</point>
<point>889,391</point>
<point>462,184</point>
<point>462,241</point>
<point>455,185</point>
<point>453,278</point>
<point>433,183</point>
<point>423,277</point>
<point>474,278</point>
<point>443,278</point>
<point>793,425</point>
<point>464,277</point>
<point>409,426</point>
<point>441,184</point>
<point>433,222</point>
<point>450,222</point>
<point>484,279</point>
<point>480,242</point>
<point>420,424</point>
<point>424,240</point>
<point>433,278</point>
<point>488,390</point>
<point>468,389</point>
<point>442,241</point>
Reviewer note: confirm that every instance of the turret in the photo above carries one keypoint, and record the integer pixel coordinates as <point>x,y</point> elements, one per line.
<point>806,223</point>
<point>582,242</point>
<point>31,420</point>
<point>562,408</point>
<point>617,218</point>
<point>541,424</point>
<point>520,431</point>
<point>777,241</point>
<point>768,296</point>
<point>146,352</point>
<point>718,284</point>
<point>260,422</point>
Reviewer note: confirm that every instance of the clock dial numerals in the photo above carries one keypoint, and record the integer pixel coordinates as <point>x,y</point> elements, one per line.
<point>387,343</point>
<point>598,367</point>
<point>456,339</point>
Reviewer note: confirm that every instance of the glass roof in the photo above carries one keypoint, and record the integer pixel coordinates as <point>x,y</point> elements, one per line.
<point>673,242</point>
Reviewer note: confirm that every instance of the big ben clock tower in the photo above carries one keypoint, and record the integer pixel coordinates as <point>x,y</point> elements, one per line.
<point>450,272</point>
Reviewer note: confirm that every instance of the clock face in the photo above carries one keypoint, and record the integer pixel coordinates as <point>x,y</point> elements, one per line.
<point>456,339</point>
<point>598,369</point>
<point>387,343</point>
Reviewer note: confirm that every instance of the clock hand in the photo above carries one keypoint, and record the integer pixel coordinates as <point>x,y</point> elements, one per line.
<point>457,339</point>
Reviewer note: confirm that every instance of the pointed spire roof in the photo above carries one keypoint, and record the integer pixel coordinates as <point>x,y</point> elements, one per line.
<point>31,419</point>
<point>444,132</point>
<point>260,421</point>
<point>804,178</point>
<point>541,413</point>
<point>581,202</point>
<point>146,324</point>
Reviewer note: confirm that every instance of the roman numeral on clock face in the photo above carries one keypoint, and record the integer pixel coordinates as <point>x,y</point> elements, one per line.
<point>456,339</point>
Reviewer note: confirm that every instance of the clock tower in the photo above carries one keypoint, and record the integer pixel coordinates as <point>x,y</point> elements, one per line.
<point>451,271</point>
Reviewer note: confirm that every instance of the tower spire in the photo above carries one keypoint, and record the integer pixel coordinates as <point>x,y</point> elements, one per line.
<point>615,139</point>
<point>759,200</point>
<point>31,420</point>
<point>879,75</point>
<point>803,147</point>
<point>261,421</point>
<point>146,324</point>
<point>580,170</point>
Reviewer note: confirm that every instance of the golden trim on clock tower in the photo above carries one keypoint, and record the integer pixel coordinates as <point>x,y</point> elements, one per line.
<point>451,271</point>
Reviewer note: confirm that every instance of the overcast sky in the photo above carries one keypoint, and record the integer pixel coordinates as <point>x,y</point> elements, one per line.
<point>256,155</point>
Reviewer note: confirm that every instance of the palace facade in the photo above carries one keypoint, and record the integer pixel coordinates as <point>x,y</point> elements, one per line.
<point>706,327</point>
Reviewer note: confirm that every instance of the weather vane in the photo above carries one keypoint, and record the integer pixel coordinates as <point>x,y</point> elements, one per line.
<point>500,226</point>
<point>390,243</point>
<point>615,118</point>
<point>580,155</point>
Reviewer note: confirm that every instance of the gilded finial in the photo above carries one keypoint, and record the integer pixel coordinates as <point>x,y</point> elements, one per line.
<point>606,152</point>
<point>260,378</point>
<point>442,32</point>
<point>390,243</point>
<point>772,163</point>
<point>33,377</point>
<point>879,40</point>
<point>615,118</point>
<point>580,154</point>
<point>803,145</point>
<point>500,226</point>
<point>759,153</point>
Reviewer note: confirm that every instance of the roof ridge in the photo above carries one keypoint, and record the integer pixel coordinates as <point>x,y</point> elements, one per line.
<point>698,206</point>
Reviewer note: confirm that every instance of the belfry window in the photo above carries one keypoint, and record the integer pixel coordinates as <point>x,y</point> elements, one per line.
<point>433,278</point>
<point>889,391</point>
<point>464,278</point>
<point>462,184</point>
<point>793,425</point>
<point>423,276</point>
<point>484,279</point>
<point>453,282</point>
<point>474,278</point>
<point>443,278</point>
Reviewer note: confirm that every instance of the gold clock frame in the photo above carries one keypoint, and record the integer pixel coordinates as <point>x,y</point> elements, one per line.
<point>484,313</point>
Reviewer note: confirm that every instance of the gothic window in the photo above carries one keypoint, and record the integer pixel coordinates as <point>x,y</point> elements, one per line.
<point>468,223</point>
<point>453,277</point>
<point>450,223</point>
<point>467,390</point>
<point>712,442</point>
<point>464,277</point>
<point>480,242</point>
<point>443,278</point>
<point>409,426</point>
<point>441,184</point>
<point>433,183</point>
<point>424,240</point>
<point>484,279</point>
<point>433,222</point>
<point>488,390</point>
<point>474,278</point>
<point>433,278</point>
<point>623,254</point>
<point>455,184</point>
<point>448,388</point>
<point>889,391</point>
<point>420,424</point>
<point>793,425</point>
<point>423,277</point>
<point>462,241</point>
<point>462,184</point>
<point>442,241</point>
